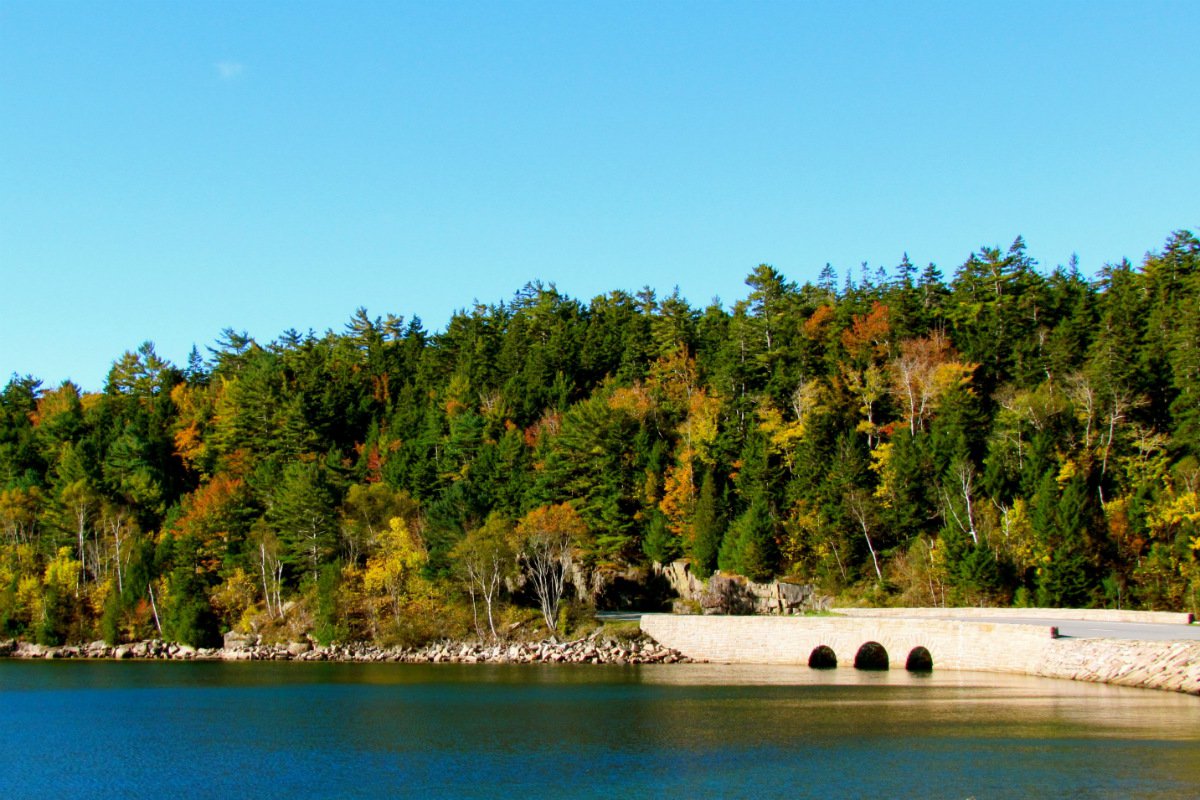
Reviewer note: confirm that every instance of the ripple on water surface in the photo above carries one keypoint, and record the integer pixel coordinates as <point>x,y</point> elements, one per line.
<point>350,730</point>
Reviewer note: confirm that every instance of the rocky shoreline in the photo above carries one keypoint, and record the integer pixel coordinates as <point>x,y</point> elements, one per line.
<point>589,650</point>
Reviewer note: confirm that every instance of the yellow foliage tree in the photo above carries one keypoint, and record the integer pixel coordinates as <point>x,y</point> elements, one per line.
<point>197,406</point>
<point>19,512</point>
<point>782,436</point>
<point>632,400</point>
<point>391,571</point>
<point>679,494</point>
<point>701,426</point>
<point>673,380</point>
<point>64,572</point>
<point>1017,539</point>
<point>697,434</point>
<point>868,386</point>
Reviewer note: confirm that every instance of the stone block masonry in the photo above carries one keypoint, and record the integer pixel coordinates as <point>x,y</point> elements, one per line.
<point>951,644</point>
<point>957,645</point>
<point>1173,666</point>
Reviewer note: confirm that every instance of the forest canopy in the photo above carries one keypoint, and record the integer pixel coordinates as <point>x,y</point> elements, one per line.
<point>1007,436</point>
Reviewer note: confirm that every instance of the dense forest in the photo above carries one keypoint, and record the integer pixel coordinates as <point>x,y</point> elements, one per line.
<point>1008,435</point>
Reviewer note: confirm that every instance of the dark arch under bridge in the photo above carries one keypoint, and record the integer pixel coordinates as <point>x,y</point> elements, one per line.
<point>919,645</point>
<point>871,656</point>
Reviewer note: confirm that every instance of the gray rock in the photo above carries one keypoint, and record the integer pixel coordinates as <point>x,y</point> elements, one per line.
<point>238,641</point>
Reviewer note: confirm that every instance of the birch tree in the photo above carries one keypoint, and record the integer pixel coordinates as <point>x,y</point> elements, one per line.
<point>546,539</point>
<point>485,558</point>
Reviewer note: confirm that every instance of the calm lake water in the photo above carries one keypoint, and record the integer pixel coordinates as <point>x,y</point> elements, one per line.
<point>154,730</point>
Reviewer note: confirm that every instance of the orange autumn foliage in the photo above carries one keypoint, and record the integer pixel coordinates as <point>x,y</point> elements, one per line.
<point>210,516</point>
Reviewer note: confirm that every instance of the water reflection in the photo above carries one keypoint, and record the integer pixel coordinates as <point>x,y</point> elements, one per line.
<point>345,730</point>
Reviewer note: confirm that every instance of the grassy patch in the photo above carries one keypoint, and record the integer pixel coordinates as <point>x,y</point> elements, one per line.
<point>622,631</point>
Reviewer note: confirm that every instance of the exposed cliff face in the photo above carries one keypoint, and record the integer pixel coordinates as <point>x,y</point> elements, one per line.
<point>733,594</point>
<point>630,588</point>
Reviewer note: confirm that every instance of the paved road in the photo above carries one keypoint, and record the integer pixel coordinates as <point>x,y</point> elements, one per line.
<point>1073,628</point>
<point>1081,629</point>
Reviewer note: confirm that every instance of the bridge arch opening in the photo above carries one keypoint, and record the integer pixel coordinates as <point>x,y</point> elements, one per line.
<point>871,655</point>
<point>919,660</point>
<point>822,657</point>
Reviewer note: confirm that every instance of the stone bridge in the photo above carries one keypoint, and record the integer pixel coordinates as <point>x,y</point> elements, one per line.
<point>865,642</point>
<point>893,642</point>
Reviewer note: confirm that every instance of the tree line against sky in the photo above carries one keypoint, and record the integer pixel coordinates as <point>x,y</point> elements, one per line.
<point>1006,436</point>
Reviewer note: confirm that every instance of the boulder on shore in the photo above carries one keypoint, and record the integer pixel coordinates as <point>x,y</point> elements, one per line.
<point>237,641</point>
<point>593,649</point>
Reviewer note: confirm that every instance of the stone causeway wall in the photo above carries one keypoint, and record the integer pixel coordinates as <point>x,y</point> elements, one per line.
<point>1173,666</point>
<point>955,645</point>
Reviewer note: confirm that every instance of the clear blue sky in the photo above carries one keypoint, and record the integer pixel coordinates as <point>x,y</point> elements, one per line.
<point>169,169</point>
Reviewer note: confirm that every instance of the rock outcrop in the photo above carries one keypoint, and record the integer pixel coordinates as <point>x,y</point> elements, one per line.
<point>733,594</point>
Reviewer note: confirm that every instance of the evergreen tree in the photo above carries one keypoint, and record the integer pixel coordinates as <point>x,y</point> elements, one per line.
<point>1062,520</point>
<point>187,616</point>
<point>750,547</point>
<point>707,529</point>
<point>302,511</point>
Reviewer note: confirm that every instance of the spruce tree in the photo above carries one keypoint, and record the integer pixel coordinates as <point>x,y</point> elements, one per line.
<point>707,529</point>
